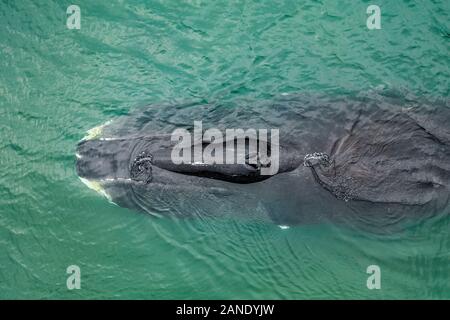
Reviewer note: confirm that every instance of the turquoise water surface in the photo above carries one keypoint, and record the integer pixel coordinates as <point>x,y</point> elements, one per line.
<point>56,83</point>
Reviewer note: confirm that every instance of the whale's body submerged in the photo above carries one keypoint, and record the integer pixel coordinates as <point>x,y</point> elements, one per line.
<point>388,158</point>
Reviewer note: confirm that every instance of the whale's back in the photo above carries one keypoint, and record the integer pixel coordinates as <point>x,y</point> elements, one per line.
<point>389,156</point>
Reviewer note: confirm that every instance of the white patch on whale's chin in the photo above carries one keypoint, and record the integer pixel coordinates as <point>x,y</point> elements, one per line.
<point>95,132</point>
<point>283,227</point>
<point>96,186</point>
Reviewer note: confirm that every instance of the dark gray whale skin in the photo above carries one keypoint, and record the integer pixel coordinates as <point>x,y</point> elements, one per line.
<point>389,161</point>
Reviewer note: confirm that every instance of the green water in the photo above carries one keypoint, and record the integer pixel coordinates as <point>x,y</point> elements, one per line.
<point>56,83</point>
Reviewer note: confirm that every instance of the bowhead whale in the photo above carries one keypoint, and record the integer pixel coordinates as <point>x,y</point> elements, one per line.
<point>373,158</point>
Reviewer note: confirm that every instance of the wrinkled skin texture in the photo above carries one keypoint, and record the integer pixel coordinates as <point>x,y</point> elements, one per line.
<point>389,159</point>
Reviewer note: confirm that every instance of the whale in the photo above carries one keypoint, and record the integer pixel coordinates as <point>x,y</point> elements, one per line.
<point>372,159</point>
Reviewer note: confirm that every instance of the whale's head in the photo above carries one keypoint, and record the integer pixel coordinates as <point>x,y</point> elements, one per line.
<point>101,159</point>
<point>127,171</point>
